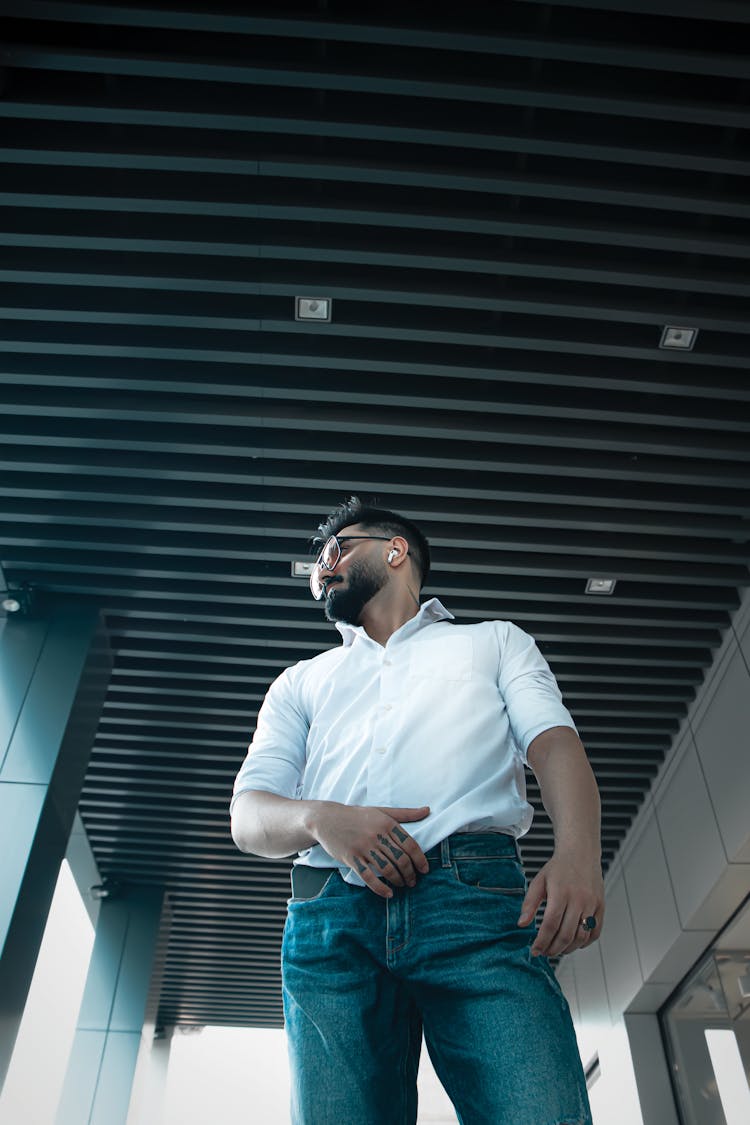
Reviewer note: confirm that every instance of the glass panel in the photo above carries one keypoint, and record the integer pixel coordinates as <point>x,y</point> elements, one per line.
<point>730,1076</point>
<point>707,1020</point>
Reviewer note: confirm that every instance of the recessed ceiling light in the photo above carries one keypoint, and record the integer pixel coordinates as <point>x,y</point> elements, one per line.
<point>19,602</point>
<point>313,308</point>
<point>601,585</point>
<point>681,339</point>
<point>302,568</point>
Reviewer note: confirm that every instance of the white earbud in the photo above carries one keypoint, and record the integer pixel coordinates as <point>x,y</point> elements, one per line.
<point>392,554</point>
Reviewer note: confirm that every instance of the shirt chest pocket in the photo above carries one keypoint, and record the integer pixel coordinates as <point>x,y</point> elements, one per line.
<point>450,658</point>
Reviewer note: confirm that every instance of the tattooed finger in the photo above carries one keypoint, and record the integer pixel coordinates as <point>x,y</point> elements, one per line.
<point>390,846</point>
<point>398,833</point>
<point>379,860</point>
<point>360,866</point>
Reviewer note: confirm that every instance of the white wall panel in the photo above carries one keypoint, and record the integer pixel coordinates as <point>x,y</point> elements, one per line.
<point>622,970</point>
<point>692,842</point>
<point>567,980</point>
<point>594,1022</point>
<point>654,910</point>
<point>593,1002</point>
<point>722,741</point>
<point>744,639</point>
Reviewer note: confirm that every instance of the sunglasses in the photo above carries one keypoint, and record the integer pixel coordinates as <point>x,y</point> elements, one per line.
<point>328,560</point>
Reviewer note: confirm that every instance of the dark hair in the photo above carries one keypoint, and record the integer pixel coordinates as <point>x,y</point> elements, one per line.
<point>369,516</point>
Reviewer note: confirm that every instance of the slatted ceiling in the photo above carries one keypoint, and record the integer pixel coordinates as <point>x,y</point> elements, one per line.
<point>506,213</point>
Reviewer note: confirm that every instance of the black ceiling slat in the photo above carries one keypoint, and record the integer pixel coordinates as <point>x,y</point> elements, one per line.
<point>687,380</point>
<point>497,154</point>
<point>504,507</point>
<point>368,109</point>
<point>397,34</point>
<point>151,229</point>
<point>116,306</point>
<point>733,11</point>
<point>226,404</point>
<point>218,113</point>
<point>699,599</point>
<point>232,608</point>
<point>690,145</point>
<point>220,514</point>
<point>222,268</point>
<point>129,534</point>
<point>237,415</point>
<point>255,557</point>
<point>636,56</point>
<point>586,450</point>
<point>371,188</point>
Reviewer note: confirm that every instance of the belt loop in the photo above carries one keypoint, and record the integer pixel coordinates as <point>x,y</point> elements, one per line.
<point>445,852</point>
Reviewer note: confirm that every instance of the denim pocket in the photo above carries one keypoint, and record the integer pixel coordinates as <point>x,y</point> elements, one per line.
<point>500,875</point>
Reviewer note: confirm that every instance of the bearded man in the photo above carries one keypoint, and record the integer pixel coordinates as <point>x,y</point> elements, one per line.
<point>394,765</point>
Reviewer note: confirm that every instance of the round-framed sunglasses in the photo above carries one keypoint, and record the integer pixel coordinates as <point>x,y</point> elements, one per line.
<point>328,560</point>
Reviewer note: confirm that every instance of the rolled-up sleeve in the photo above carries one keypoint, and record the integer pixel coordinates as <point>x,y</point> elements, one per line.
<point>275,760</point>
<point>529,689</point>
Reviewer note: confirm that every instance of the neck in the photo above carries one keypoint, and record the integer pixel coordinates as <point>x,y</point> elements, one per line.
<point>387,611</point>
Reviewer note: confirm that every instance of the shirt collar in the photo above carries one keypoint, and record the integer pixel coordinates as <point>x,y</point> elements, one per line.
<point>429,611</point>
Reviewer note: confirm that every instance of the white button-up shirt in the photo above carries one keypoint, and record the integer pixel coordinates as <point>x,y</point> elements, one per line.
<point>442,715</point>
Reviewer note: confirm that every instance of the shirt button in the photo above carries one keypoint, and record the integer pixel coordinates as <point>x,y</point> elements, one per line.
<point>380,749</point>
<point>387,662</point>
<point>387,706</point>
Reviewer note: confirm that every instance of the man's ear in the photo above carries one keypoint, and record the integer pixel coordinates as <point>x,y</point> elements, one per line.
<point>398,551</point>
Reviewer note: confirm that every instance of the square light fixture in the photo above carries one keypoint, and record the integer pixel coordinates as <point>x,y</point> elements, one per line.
<point>313,308</point>
<point>678,339</point>
<point>601,585</point>
<point>20,602</point>
<point>302,568</point>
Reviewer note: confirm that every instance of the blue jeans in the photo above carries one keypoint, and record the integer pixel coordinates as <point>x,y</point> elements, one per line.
<point>364,976</point>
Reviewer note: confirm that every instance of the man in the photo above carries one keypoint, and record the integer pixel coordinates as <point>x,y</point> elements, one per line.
<point>394,764</point>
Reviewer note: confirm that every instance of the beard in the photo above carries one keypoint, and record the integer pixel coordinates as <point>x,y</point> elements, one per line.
<point>363,582</point>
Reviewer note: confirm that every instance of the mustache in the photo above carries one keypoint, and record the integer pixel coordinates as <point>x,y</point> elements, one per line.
<point>331,582</point>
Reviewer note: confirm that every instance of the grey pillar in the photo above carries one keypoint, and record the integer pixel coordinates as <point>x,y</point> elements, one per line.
<point>148,1099</point>
<point>651,1069</point>
<point>119,1001</point>
<point>53,677</point>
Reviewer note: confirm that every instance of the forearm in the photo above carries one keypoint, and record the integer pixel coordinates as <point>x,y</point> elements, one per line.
<point>272,826</point>
<point>569,791</point>
<point>571,880</point>
<point>370,840</point>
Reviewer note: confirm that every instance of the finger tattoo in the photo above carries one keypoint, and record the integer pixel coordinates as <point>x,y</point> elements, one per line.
<point>379,860</point>
<point>360,866</point>
<point>395,852</point>
<point>398,833</point>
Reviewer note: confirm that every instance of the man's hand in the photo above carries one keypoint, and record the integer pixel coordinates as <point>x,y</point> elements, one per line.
<point>572,880</point>
<point>574,889</point>
<point>372,842</point>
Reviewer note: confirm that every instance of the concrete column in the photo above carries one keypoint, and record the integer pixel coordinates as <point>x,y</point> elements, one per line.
<point>118,1006</point>
<point>651,1070</point>
<point>53,676</point>
<point>147,1103</point>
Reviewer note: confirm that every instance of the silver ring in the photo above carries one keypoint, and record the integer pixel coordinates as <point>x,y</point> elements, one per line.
<point>588,923</point>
